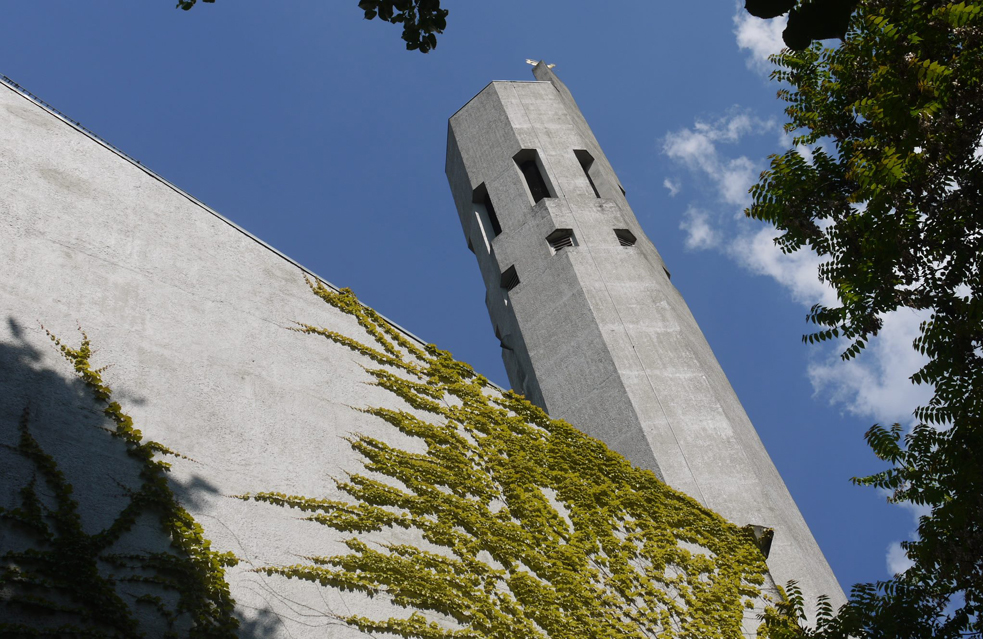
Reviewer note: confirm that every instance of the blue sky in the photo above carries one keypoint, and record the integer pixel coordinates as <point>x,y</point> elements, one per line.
<point>316,131</point>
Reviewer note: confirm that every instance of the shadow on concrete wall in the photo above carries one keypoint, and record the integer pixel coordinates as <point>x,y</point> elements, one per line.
<point>79,546</point>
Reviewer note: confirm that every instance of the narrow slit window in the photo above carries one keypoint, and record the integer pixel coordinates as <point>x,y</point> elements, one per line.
<point>586,162</point>
<point>484,235</point>
<point>625,237</point>
<point>561,239</point>
<point>532,170</point>
<point>483,207</point>
<point>510,279</point>
<point>492,216</point>
<point>484,214</point>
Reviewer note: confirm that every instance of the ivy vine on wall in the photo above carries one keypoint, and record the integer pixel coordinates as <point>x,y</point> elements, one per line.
<point>528,527</point>
<point>64,581</point>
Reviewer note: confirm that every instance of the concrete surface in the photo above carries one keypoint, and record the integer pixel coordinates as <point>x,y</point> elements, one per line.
<point>599,336</point>
<point>191,315</point>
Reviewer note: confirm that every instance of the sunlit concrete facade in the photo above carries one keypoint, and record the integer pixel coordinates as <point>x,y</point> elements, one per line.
<point>592,328</point>
<point>193,316</point>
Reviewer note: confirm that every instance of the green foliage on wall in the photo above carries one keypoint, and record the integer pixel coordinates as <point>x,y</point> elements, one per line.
<point>71,582</point>
<point>526,527</point>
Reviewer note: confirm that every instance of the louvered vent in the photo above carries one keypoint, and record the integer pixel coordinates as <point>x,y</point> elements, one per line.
<point>510,279</point>
<point>561,239</point>
<point>625,237</point>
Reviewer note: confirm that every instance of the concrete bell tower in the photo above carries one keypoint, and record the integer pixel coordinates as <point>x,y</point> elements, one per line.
<point>592,329</point>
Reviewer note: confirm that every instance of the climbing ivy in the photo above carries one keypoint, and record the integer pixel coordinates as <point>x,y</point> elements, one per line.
<point>70,582</point>
<point>527,527</point>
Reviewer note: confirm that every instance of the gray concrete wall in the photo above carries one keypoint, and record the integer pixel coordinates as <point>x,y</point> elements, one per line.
<point>607,341</point>
<point>192,317</point>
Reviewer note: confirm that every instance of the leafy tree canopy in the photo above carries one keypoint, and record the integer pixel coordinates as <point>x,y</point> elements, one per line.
<point>422,20</point>
<point>891,198</point>
<point>808,20</point>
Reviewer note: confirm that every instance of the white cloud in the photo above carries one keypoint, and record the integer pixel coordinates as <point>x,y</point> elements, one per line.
<point>797,272</point>
<point>699,233</point>
<point>738,176</point>
<point>693,147</point>
<point>760,38</point>
<point>805,152</point>
<point>674,187</point>
<point>696,149</point>
<point>917,511</point>
<point>897,560</point>
<point>876,386</point>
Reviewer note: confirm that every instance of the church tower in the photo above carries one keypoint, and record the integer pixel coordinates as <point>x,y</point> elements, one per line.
<point>591,327</point>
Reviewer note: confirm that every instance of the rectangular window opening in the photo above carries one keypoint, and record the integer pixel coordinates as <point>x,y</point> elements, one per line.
<point>485,216</point>
<point>531,167</point>
<point>586,162</point>
<point>485,212</point>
